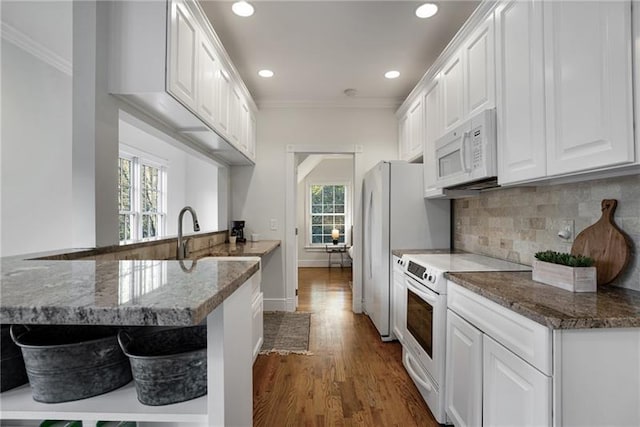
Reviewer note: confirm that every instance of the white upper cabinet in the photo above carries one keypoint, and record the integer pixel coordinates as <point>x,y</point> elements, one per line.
<point>208,93</point>
<point>520,91</point>
<point>588,85</point>
<point>251,142</point>
<point>416,128</point>
<point>453,92</point>
<point>165,58</point>
<point>403,137</point>
<point>433,128</point>
<point>183,50</point>
<point>479,75</point>
<point>224,89</point>
<point>411,131</point>
<point>235,117</point>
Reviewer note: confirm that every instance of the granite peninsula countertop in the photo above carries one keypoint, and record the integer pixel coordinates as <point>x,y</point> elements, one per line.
<point>609,307</point>
<point>132,292</point>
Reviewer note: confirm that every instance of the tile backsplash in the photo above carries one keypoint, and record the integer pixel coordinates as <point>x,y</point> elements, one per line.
<point>515,223</point>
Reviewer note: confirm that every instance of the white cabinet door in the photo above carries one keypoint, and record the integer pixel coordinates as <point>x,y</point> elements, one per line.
<point>416,128</point>
<point>514,392</point>
<point>244,126</point>
<point>403,137</point>
<point>224,100</point>
<point>433,128</point>
<point>253,130</point>
<point>207,89</point>
<point>257,309</point>
<point>183,38</point>
<point>235,117</point>
<point>589,91</point>
<point>463,390</point>
<point>520,91</point>
<point>479,73</point>
<point>452,92</point>
<point>399,301</point>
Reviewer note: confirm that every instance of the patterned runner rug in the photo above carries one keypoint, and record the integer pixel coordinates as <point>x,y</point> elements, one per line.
<point>286,332</point>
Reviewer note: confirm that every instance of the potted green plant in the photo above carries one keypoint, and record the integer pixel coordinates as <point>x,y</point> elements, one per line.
<point>574,273</point>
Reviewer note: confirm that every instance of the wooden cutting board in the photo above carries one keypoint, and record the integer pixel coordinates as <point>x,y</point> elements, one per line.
<point>605,243</point>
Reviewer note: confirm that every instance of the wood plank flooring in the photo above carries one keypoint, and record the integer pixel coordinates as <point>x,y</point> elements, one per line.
<point>352,378</point>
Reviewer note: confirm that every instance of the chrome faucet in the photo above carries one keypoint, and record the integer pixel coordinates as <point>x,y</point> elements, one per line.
<point>182,245</point>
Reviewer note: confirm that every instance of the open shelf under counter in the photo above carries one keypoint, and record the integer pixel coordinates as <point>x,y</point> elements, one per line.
<point>118,405</point>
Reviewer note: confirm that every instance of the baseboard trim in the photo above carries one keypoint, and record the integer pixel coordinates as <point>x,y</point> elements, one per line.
<point>275,304</point>
<point>321,263</point>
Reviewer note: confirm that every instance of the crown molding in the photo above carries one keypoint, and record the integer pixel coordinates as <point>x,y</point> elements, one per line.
<point>26,43</point>
<point>373,103</point>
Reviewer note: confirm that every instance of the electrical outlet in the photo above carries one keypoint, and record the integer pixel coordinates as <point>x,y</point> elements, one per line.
<point>273,224</point>
<point>566,230</point>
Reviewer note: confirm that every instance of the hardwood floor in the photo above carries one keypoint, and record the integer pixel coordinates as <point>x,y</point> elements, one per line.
<point>352,378</point>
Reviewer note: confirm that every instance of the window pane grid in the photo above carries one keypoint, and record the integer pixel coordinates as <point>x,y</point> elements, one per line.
<point>327,212</point>
<point>141,199</point>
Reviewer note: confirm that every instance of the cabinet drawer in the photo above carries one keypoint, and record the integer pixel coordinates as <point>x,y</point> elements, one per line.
<point>526,338</point>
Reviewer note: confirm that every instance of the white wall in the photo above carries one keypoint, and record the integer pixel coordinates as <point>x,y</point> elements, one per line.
<point>36,213</point>
<point>258,193</point>
<point>328,171</point>
<point>60,137</point>
<point>201,192</point>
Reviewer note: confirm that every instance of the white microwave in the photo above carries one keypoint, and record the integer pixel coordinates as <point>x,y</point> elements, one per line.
<point>468,152</point>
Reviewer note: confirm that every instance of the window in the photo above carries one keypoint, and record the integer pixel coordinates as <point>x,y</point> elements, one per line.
<point>328,209</point>
<point>141,198</point>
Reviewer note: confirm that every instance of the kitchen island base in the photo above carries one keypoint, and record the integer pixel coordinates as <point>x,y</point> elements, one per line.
<point>229,372</point>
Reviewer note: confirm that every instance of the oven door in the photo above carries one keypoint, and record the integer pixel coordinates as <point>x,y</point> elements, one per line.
<point>426,312</point>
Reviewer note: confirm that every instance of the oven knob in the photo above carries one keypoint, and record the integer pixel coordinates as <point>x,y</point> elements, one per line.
<point>432,278</point>
<point>424,276</point>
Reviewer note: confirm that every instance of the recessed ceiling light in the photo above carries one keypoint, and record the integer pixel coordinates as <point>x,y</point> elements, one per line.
<point>242,8</point>
<point>265,73</point>
<point>392,74</point>
<point>427,10</point>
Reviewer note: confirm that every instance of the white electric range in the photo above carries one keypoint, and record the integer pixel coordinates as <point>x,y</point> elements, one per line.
<point>424,345</point>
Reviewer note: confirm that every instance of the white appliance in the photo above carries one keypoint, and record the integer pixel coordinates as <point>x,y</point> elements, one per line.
<point>423,350</point>
<point>468,152</point>
<point>396,216</point>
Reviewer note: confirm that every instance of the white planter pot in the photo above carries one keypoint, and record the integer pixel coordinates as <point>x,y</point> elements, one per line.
<point>574,279</point>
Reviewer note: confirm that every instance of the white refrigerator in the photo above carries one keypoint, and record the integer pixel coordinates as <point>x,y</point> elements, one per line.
<point>396,216</point>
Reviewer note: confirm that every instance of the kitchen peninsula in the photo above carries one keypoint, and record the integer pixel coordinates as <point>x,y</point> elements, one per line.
<point>141,293</point>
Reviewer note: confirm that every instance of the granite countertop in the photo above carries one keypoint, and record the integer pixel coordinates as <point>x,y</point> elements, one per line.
<point>134,292</point>
<point>609,307</point>
<point>260,248</point>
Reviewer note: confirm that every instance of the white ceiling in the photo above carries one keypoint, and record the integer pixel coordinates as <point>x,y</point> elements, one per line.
<point>317,49</point>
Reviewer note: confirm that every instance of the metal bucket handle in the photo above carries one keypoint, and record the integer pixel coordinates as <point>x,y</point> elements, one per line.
<point>13,334</point>
<point>124,339</point>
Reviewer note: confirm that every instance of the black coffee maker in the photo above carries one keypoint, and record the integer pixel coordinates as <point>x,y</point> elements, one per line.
<point>237,229</point>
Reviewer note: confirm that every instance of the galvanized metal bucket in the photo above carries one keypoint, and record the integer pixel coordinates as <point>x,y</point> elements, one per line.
<point>12,372</point>
<point>67,363</point>
<point>169,365</point>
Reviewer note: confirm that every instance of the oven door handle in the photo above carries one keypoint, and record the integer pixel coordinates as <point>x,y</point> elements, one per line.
<point>408,362</point>
<point>428,297</point>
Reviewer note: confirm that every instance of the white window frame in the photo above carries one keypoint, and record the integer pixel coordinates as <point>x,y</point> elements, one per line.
<point>139,159</point>
<point>307,214</point>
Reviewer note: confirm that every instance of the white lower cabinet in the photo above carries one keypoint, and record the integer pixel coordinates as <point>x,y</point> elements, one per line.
<point>399,301</point>
<point>514,393</point>
<point>504,369</point>
<point>486,383</point>
<point>257,311</point>
<point>463,393</point>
